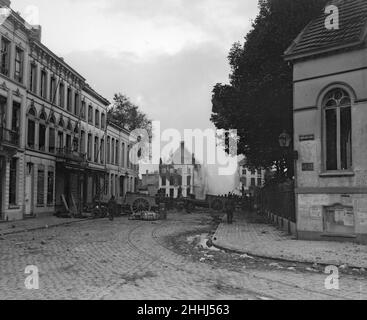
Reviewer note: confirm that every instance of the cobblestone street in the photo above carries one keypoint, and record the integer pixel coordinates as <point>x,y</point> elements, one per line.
<point>135,260</point>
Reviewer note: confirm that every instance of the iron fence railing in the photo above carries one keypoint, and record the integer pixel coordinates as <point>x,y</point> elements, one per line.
<point>279,200</point>
<point>70,154</point>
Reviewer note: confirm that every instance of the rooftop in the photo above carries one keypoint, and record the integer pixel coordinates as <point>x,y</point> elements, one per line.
<point>317,39</point>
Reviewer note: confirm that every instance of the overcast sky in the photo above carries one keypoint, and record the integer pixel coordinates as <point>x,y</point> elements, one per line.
<point>166,55</point>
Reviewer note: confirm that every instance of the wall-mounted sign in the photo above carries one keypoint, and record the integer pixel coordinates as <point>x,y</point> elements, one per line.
<point>306,137</point>
<point>307,167</point>
<point>362,217</point>
<point>346,200</point>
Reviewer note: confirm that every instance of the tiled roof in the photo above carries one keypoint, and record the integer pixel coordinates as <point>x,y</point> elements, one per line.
<point>316,38</point>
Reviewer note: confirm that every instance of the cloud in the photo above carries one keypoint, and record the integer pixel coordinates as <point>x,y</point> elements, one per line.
<point>144,27</point>
<point>165,54</point>
<point>174,89</point>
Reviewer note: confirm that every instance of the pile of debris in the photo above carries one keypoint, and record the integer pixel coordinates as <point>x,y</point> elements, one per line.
<point>147,216</point>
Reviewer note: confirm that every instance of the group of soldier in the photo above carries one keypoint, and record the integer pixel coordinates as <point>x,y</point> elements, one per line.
<point>230,203</point>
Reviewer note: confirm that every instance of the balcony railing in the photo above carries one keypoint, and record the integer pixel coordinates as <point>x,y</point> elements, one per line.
<point>9,137</point>
<point>69,154</point>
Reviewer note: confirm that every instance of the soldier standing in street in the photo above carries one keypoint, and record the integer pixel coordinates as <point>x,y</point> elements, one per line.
<point>112,208</point>
<point>230,209</point>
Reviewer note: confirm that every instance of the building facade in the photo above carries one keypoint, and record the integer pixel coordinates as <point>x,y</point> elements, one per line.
<point>150,183</point>
<point>330,117</point>
<point>54,130</point>
<point>250,178</point>
<point>123,170</point>
<point>182,176</point>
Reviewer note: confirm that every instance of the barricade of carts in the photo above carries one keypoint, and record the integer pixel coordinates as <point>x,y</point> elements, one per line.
<point>145,207</point>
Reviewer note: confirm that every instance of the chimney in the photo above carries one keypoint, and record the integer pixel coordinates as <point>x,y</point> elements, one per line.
<point>182,152</point>
<point>36,32</point>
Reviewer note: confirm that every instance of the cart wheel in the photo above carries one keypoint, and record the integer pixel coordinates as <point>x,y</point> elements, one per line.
<point>190,206</point>
<point>217,205</point>
<point>140,205</point>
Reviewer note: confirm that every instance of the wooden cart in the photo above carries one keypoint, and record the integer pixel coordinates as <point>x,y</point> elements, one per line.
<point>137,203</point>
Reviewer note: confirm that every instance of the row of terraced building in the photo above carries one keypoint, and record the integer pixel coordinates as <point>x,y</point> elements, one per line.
<point>57,149</point>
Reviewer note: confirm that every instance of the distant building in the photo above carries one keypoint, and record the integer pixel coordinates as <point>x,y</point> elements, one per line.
<point>150,183</point>
<point>183,176</point>
<point>250,178</point>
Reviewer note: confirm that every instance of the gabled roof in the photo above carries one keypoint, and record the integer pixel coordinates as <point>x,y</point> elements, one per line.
<point>317,39</point>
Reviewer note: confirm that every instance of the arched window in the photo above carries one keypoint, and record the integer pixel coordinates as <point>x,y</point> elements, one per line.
<point>43,116</point>
<point>31,128</point>
<point>338,130</point>
<point>42,132</point>
<point>52,120</point>
<point>52,134</point>
<point>32,112</point>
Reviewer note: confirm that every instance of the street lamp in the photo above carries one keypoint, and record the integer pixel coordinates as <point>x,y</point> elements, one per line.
<point>285,140</point>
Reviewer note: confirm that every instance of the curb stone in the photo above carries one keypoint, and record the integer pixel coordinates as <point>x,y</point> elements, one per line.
<point>43,227</point>
<point>225,247</point>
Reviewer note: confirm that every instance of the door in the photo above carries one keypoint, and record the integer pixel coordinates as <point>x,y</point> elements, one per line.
<point>29,191</point>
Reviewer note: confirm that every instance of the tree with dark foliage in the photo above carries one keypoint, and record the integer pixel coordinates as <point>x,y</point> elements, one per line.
<point>124,113</point>
<point>258,101</point>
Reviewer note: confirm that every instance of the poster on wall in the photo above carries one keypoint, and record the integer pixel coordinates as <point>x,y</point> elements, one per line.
<point>339,215</point>
<point>362,217</point>
<point>346,200</point>
<point>316,213</point>
<point>348,219</point>
<point>303,211</point>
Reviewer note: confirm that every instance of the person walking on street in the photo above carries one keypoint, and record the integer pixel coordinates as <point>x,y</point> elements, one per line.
<point>229,209</point>
<point>112,208</point>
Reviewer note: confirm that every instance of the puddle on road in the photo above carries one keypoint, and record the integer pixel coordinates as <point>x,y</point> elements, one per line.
<point>198,247</point>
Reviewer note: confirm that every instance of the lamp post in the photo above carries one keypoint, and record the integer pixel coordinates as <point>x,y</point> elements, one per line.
<point>285,140</point>
<point>285,143</point>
